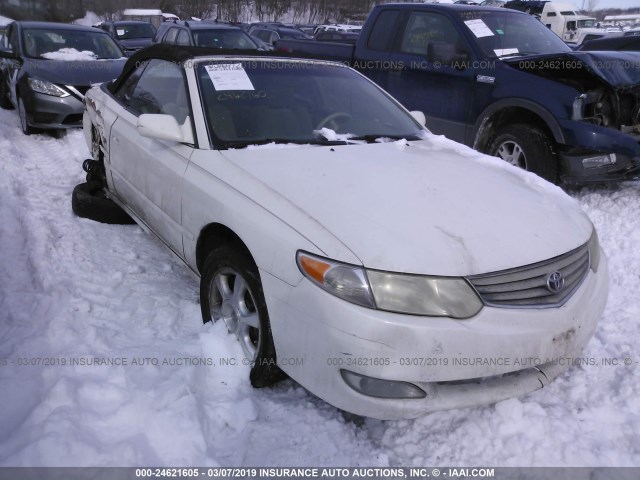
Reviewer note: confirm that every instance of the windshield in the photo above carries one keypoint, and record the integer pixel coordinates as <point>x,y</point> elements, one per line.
<point>590,23</point>
<point>69,45</point>
<point>289,101</point>
<point>504,34</point>
<point>295,34</point>
<point>129,31</point>
<point>228,39</point>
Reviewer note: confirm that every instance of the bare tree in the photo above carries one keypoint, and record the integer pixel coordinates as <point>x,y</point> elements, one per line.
<point>589,5</point>
<point>195,8</point>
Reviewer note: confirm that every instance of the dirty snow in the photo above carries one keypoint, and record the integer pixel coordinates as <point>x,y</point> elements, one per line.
<point>70,55</point>
<point>72,289</point>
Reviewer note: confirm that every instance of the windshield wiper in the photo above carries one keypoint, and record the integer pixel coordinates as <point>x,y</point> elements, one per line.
<point>283,141</point>
<point>517,54</point>
<point>376,137</point>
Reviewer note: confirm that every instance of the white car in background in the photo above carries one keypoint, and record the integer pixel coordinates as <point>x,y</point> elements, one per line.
<point>388,271</point>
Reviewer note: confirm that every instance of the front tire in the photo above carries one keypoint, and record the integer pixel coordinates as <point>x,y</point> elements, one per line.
<point>5,103</point>
<point>231,291</point>
<point>24,123</point>
<point>526,147</point>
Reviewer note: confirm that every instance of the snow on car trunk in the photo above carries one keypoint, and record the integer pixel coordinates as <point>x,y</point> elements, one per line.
<point>75,289</point>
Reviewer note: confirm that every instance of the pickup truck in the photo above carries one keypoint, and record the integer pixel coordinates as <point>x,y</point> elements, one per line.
<point>499,81</point>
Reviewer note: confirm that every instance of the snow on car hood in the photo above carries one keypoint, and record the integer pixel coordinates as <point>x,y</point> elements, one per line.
<point>70,55</point>
<point>431,207</point>
<point>617,69</point>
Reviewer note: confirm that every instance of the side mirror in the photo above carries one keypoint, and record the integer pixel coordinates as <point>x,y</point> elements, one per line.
<point>446,54</point>
<point>419,117</point>
<point>8,54</point>
<point>165,127</point>
<point>442,52</point>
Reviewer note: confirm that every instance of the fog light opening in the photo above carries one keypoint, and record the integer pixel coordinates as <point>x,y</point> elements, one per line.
<point>378,388</point>
<point>599,161</point>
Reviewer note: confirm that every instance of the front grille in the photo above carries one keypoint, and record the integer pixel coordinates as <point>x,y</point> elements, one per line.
<point>527,286</point>
<point>73,119</point>
<point>42,117</point>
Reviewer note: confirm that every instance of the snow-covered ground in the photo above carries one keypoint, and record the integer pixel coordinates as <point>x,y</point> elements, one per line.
<point>73,289</point>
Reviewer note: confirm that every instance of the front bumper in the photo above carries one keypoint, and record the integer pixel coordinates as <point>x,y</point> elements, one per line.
<point>498,354</point>
<point>584,140</point>
<point>49,112</point>
<point>573,171</point>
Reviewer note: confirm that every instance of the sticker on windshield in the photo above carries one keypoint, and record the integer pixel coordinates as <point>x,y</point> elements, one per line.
<point>120,32</point>
<point>501,52</point>
<point>229,76</point>
<point>479,28</point>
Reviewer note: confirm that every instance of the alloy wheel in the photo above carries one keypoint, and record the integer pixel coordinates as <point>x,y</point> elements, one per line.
<point>512,153</point>
<point>231,300</point>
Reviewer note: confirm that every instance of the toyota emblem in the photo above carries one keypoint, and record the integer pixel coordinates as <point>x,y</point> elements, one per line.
<point>555,282</point>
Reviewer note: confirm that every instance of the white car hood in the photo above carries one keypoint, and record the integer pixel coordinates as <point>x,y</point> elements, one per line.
<point>430,207</point>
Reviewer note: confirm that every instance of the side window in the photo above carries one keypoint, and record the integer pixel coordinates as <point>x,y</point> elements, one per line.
<point>264,35</point>
<point>171,36</point>
<point>13,40</point>
<point>125,92</point>
<point>384,30</point>
<point>183,38</point>
<point>433,35</point>
<point>161,89</point>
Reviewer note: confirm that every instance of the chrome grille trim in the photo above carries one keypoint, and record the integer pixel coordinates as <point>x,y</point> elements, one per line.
<point>526,287</point>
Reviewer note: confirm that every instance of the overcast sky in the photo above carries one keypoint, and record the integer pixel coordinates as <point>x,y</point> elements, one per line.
<point>613,3</point>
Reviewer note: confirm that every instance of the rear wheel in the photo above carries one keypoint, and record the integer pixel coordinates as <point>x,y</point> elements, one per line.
<point>526,147</point>
<point>230,291</point>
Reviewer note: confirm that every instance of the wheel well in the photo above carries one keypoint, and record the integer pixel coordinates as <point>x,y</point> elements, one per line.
<point>508,116</point>
<point>216,235</point>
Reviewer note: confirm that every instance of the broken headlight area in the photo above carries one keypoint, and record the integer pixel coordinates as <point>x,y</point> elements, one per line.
<point>619,109</point>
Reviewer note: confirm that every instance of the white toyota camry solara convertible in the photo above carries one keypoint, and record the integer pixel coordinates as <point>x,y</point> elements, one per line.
<point>403,272</point>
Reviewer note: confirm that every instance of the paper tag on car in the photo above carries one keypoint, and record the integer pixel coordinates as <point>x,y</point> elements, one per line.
<point>120,32</point>
<point>229,76</point>
<point>501,52</point>
<point>479,28</point>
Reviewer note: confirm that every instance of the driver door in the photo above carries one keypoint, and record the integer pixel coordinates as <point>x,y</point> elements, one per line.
<point>436,76</point>
<point>148,173</point>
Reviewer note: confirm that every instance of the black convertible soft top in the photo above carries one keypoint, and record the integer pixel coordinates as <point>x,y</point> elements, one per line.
<point>178,55</point>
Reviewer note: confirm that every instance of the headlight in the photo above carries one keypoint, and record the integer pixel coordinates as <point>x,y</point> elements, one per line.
<point>594,251</point>
<point>392,292</point>
<point>48,88</point>
<point>421,295</point>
